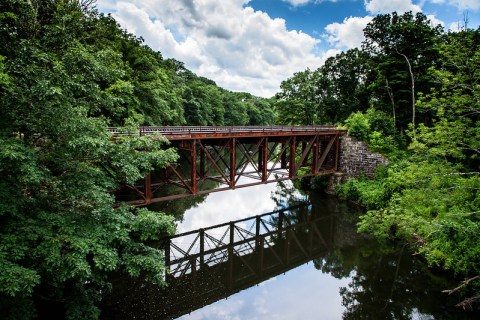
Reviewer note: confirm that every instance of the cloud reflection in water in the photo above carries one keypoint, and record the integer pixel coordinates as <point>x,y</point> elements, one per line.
<point>302,293</point>
<point>225,206</point>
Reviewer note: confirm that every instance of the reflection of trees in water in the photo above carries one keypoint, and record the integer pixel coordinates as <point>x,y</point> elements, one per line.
<point>287,195</point>
<point>385,282</point>
<point>178,207</point>
<point>388,283</point>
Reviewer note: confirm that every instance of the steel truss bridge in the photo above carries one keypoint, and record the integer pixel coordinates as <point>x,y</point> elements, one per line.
<point>206,265</point>
<point>222,158</point>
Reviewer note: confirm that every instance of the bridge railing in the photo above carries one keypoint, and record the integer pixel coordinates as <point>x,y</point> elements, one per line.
<point>167,130</point>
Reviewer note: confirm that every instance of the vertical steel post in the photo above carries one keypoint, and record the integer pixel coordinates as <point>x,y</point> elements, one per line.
<point>261,242</point>
<point>257,231</point>
<point>337,152</point>
<point>231,255</point>
<point>260,156</point>
<point>148,188</point>
<point>202,247</point>
<point>293,155</point>
<point>315,156</point>
<point>233,163</point>
<point>280,225</point>
<point>193,155</point>
<point>194,289</point>
<point>264,156</point>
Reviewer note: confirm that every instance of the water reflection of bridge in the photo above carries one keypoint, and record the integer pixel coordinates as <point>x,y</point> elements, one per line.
<point>226,154</point>
<point>209,264</point>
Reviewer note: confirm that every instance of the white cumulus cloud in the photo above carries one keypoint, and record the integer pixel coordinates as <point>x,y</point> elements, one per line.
<point>461,4</point>
<point>349,33</point>
<point>297,3</point>
<point>224,40</point>
<point>388,6</point>
<point>434,21</point>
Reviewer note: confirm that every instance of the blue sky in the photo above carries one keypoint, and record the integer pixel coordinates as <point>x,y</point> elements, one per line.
<point>312,17</point>
<point>253,45</point>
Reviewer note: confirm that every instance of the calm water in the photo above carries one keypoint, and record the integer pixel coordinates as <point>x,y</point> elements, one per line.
<point>318,268</point>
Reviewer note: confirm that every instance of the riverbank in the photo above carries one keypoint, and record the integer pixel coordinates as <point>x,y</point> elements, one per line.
<point>433,206</point>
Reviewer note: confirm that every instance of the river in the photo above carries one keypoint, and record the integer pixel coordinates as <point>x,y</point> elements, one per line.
<point>316,266</point>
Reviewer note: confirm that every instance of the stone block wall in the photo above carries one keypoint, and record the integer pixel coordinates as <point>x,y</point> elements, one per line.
<point>356,158</point>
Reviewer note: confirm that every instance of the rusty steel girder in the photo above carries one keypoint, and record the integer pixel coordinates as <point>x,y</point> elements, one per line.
<point>221,158</point>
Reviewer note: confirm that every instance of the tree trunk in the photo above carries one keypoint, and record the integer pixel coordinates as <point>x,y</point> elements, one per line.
<point>412,78</point>
<point>390,95</point>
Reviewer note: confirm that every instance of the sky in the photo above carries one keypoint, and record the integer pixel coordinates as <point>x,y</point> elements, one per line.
<point>254,45</point>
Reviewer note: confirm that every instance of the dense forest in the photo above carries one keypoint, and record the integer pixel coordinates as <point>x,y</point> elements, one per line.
<point>67,72</point>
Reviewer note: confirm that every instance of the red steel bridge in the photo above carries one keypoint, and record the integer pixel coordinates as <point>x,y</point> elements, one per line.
<point>222,158</point>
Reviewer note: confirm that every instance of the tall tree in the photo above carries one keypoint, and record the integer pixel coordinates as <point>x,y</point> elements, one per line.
<point>328,94</point>
<point>403,49</point>
<point>341,86</point>
<point>455,104</point>
<point>60,233</point>
<point>296,101</point>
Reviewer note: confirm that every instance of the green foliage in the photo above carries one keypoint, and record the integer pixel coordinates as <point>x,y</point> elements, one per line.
<point>455,130</point>
<point>380,122</point>
<point>358,126</point>
<point>4,78</point>
<point>328,94</point>
<point>59,227</point>
<point>66,73</point>
<point>60,233</point>
<point>319,183</point>
<point>394,42</point>
<point>431,204</point>
<point>373,127</point>
<point>296,103</point>
<point>409,77</point>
